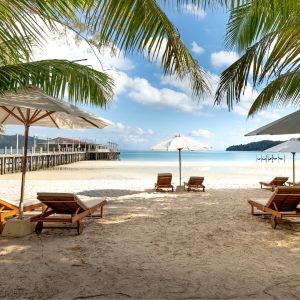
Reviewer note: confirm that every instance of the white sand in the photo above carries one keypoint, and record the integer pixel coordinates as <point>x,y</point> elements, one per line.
<point>155,245</point>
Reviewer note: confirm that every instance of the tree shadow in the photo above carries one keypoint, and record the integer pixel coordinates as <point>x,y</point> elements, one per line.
<point>108,193</point>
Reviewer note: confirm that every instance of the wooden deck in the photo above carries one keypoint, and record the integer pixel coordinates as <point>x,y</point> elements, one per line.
<point>12,163</point>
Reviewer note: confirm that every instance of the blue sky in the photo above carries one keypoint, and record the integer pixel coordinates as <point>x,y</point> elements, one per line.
<point>149,108</point>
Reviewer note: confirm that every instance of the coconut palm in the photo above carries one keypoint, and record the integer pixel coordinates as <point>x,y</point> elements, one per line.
<point>132,25</point>
<point>267,35</point>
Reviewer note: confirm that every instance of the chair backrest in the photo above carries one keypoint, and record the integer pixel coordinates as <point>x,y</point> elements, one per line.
<point>196,180</point>
<point>279,180</point>
<point>284,198</point>
<point>164,179</point>
<point>7,205</point>
<point>62,202</point>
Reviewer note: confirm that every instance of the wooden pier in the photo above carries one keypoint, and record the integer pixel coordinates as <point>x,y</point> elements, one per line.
<point>12,163</point>
<point>55,152</point>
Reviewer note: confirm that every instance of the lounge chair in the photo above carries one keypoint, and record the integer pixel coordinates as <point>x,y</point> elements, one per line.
<point>164,181</point>
<point>293,183</point>
<point>283,203</point>
<point>70,207</point>
<point>195,183</point>
<point>277,181</point>
<point>10,208</point>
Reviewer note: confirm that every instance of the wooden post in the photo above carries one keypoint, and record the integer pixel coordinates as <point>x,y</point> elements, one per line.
<point>293,153</point>
<point>24,165</point>
<point>17,143</point>
<point>180,165</point>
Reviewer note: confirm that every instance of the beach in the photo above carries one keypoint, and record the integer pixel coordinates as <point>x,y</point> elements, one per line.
<point>152,245</point>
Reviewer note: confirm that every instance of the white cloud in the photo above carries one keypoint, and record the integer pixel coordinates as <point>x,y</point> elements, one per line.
<point>194,10</point>
<point>223,58</point>
<point>66,47</point>
<point>142,91</point>
<point>129,135</point>
<point>196,48</point>
<point>202,133</point>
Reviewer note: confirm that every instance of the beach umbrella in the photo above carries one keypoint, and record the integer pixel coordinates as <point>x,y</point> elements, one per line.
<point>179,143</point>
<point>292,145</point>
<point>31,107</point>
<point>287,125</point>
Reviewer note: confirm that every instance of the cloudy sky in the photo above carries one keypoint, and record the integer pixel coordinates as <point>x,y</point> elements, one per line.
<point>149,107</point>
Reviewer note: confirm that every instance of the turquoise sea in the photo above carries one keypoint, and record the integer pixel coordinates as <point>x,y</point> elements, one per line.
<point>202,156</point>
<point>208,156</point>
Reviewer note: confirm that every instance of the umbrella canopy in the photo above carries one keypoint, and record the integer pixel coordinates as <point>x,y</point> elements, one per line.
<point>179,143</point>
<point>287,125</point>
<point>292,145</point>
<point>32,107</point>
<point>45,111</point>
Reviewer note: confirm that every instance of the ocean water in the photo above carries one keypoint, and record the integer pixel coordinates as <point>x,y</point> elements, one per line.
<point>204,156</point>
<point>201,156</point>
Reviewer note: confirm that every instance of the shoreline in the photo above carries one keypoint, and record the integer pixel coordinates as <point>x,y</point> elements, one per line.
<point>132,175</point>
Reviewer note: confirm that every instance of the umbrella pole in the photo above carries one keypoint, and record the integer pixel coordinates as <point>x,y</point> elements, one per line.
<point>293,166</point>
<point>24,166</point>
<point>179,166</point>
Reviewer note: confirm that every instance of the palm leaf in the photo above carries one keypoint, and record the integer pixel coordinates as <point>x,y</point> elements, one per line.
<point>283,91</point>
<point>60,78</point>
<point>139,25</point>
<point>19,18</point>
<point>276,53</point>
<point>250,20</point>
<point>234,79</point>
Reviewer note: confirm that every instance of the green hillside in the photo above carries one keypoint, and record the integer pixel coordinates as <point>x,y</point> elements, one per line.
<point>254,146</point>
<point>10,140</point>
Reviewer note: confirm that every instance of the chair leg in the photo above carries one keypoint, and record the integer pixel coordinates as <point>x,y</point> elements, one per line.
<point>273,222</point>
<point>79,227</point>
<point>39,227</point>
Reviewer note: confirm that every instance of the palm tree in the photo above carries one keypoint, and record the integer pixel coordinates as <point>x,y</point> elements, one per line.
<point>267,35</point>
<point>132,25</point>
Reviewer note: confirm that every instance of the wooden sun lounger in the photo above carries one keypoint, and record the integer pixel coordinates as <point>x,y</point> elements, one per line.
<point>11,208</point>
<point>283,203</point>
<point>293,183</point>
<point>164,181</point>
<point>67,208</point>
<point>277,181</point>
<point>195,183</point>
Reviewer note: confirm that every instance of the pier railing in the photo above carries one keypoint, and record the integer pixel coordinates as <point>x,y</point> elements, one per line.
<point>11,160</point>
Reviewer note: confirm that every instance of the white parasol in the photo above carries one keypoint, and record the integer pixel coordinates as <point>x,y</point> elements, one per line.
<point>180,143</point>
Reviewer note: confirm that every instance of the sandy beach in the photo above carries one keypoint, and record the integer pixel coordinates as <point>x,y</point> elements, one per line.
<point>154,245</point>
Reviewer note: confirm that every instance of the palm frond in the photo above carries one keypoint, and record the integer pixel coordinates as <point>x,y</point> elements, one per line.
<point>19,18</point>
<point>250,20</point>
<point>11,53</point>
<point>283,91</point>
<point>139,25</point>
<point>60,78</point>
<point>234,79</point>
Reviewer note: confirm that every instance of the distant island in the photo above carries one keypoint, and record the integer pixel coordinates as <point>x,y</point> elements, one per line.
<point>10,140</point>
<point>254,146</point>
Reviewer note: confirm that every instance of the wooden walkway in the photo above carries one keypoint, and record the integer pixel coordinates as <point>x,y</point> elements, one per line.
<point>12,163</point>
